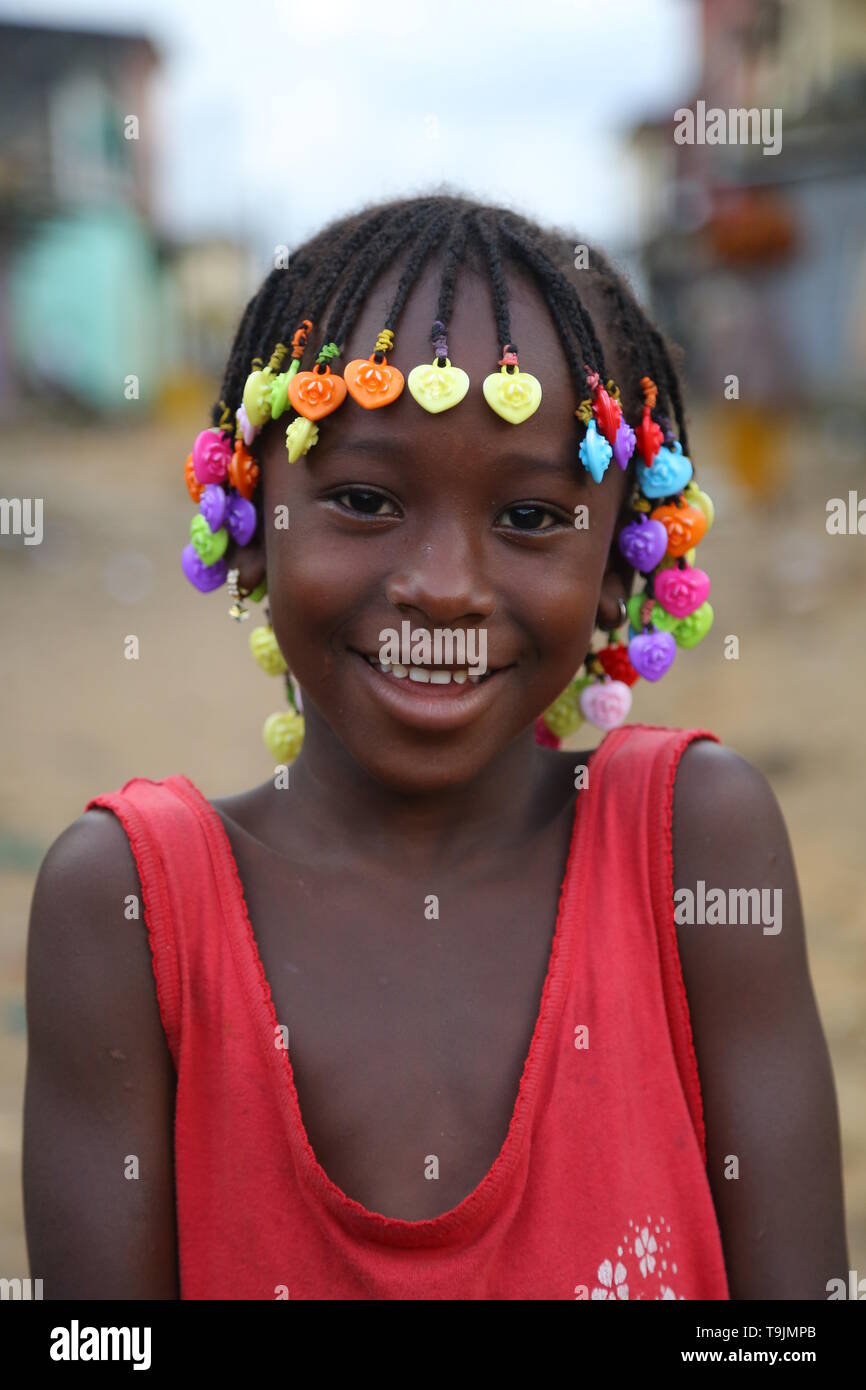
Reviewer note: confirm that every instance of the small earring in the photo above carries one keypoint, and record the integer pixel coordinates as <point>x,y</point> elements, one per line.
<point>622,615</point>
<point>237,610</point>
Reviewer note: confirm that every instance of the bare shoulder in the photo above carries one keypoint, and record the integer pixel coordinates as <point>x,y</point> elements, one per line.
<point>722,798</point>
<point>96,840</point>
<point>773,1151</point>
<point>100,1080</point>
<point>87,910</point>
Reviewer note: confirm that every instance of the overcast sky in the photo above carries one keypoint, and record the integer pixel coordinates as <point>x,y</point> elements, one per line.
<point>274,116</point>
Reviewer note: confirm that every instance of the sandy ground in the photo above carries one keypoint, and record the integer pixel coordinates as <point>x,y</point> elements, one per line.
<point>77,718</point>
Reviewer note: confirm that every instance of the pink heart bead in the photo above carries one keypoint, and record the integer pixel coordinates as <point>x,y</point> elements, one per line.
<point>606,704</point>
<point>681,591</point>
<point>211,456</point>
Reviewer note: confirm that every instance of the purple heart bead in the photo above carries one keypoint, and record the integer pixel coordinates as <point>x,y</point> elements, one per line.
<point>643,544</point>
<point>652,653</point>
<point>203,577</point>
<point>623,445</point>
<point>240,518</point>
<point>213,505</point>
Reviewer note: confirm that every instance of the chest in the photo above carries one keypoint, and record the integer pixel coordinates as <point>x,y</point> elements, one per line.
<point>410,1007</point>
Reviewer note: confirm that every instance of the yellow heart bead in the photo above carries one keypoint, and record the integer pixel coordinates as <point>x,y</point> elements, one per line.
<point>301,435</point>
<point>283,735</point>
<point>263,645</point>
<point>513,395</point>
<point>257,396</point>
<point>438,388</point>
<point>698,498</point>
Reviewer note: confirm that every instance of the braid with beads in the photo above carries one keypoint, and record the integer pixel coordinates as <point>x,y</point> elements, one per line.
<point>339,267</point>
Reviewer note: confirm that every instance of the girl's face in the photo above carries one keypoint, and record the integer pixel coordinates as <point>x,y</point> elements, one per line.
<point>455,521</point>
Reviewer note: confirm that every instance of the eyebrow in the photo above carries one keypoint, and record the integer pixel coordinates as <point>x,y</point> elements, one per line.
<point>512,458</point>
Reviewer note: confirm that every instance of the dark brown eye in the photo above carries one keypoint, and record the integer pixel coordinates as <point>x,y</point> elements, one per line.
<point>365,502</point>
<point>527,516</point>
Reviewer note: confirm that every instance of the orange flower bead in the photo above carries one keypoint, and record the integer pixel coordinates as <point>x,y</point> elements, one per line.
<point>373,383</point>
<point>193,486</point>
<point>243,470</point>
<point>685,527</point>
<point>314,394</point>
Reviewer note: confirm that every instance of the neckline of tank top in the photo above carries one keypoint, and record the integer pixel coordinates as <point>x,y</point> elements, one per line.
<point>464,1221</point>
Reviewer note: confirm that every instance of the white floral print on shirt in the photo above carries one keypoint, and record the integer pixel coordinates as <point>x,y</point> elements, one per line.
<point>645,1250</point>
<point>612,1281</point>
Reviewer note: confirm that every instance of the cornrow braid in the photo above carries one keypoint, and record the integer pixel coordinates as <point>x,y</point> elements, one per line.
<point>281,287</point>
<point>486,233</point>
<point>559,288</point>
<point>569,329</point>
<point>671,381</point>
<point>351,260</point>
<point>238,363</point>
<point>451,261</point>
<point>430,237</point>
<point>644,344</point>
<point>345,315</point>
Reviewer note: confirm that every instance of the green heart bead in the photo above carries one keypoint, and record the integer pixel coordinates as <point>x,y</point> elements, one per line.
<point>280,394</point>
<point>689,631</point>
<point>633,607</point>
<point>564,716</point>
<point>659,618</point>
<point>209,545</point>
<point>664,620</point>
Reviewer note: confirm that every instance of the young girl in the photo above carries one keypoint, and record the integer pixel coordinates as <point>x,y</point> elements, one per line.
<point>438,1012</point>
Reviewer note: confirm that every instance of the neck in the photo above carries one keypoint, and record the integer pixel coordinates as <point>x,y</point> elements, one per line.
<point>342,804</point>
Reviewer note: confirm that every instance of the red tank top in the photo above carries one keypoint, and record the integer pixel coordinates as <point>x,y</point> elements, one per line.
<point>600,1188</point>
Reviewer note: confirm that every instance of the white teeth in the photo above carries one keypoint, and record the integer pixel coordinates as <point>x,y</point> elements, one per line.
<point>426,675</point>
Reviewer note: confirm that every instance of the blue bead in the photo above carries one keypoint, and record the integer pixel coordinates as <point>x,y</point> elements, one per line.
<point>668,474</point>
<point>595,453</point>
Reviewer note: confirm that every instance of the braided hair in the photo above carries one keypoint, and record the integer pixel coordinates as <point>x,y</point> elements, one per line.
<point>343,261</point>
<point>335,272</point>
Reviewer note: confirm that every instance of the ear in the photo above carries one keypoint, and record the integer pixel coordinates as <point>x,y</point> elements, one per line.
<point>618,578</point>
<point>249,560</point>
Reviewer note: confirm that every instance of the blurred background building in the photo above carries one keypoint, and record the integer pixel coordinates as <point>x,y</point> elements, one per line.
<point>90,291</point>
<point>153,156</point>
<point>761,258</point>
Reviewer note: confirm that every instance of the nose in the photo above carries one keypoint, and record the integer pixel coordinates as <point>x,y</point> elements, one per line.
<point>444,579</point>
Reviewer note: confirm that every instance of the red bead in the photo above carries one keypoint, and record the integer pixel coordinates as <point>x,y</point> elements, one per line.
<point>648,437</point>
<point>544,736</point>
<point>608,414</point>
<point>615,663</point>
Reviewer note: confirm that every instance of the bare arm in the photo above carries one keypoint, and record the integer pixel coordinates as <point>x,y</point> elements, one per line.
<point>100,1080</point>
<point>767,1084</point>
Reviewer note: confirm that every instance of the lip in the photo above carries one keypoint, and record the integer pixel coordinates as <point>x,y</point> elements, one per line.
<point>436,708</point>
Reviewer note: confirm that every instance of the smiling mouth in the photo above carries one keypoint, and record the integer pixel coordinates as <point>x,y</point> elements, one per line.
<point>427,675</point>
<point>428,698</point>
